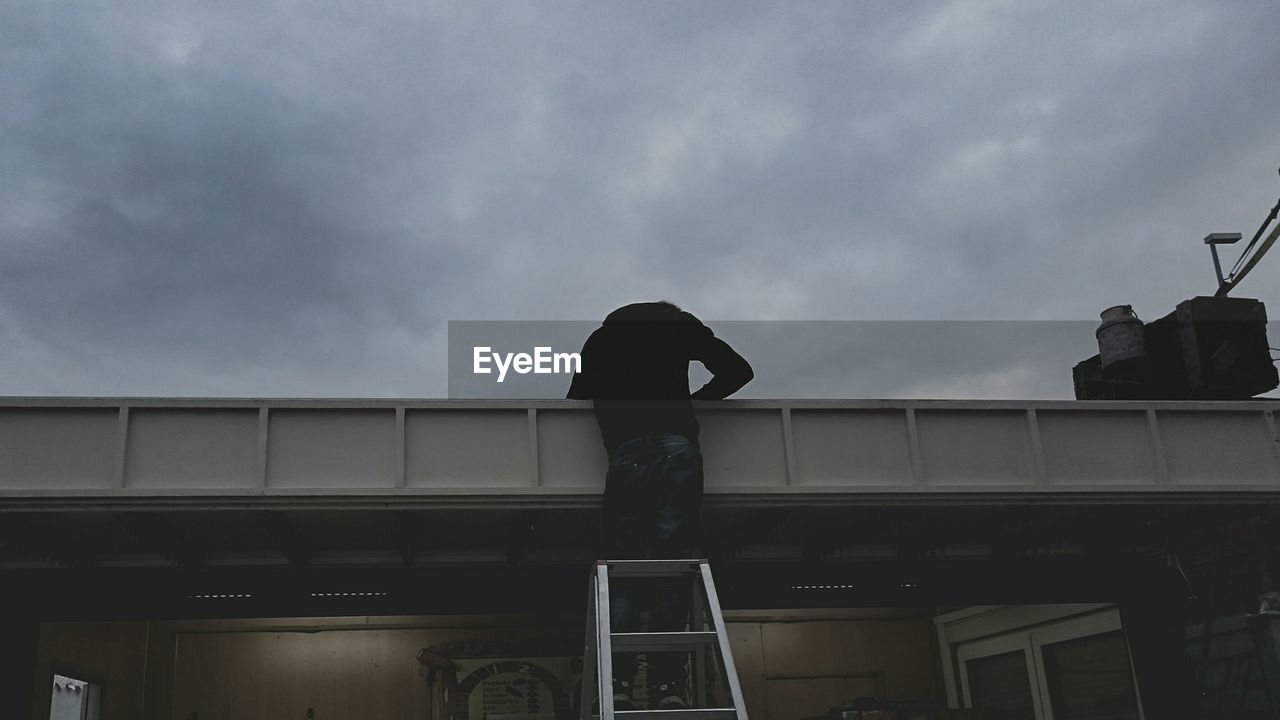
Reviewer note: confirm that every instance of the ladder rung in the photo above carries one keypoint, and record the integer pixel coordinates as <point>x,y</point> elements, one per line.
<point>658,641</point>
<point>652,568</point>
<point>699,713</point>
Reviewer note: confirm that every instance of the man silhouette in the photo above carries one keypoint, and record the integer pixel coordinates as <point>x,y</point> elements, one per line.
<point>635,368</point>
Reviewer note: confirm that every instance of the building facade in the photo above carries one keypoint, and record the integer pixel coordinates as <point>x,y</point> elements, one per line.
<point>188,558</point>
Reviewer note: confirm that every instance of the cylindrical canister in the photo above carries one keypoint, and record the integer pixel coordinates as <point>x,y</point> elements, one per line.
<point>1120,339</point>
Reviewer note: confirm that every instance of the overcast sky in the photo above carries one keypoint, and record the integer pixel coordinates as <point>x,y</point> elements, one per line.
<point>292,199</point>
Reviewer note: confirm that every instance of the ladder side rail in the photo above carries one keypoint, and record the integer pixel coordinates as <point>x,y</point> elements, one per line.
<point>590,681</point>
<point>604,645</point>
<point>696,624</point>
<point>726,652</point>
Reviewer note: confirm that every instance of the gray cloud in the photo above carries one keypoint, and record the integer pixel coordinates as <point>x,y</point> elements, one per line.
<point>287,199</point>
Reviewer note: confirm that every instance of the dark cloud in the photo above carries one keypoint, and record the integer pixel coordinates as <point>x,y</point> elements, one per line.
<point>282,199</point>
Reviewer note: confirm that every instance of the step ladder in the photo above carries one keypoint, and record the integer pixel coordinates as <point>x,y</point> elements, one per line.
<point>602,642</point>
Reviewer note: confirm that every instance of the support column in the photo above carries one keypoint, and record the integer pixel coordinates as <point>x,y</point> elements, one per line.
<point>19,641</point>
<point>1152,615</point>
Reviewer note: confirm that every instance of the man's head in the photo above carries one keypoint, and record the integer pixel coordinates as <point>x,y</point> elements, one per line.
<point>659,310</point>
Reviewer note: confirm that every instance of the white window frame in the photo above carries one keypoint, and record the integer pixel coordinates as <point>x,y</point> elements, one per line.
<point>1074,629</point>
<point>999,646</point>
<point>987,630</point>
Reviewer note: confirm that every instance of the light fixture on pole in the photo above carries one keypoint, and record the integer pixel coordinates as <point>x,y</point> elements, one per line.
<point>1213,240</point>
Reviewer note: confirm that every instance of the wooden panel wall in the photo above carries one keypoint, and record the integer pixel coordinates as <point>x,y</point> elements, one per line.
<point>113,654</point>
<point>337,673</point>
<point>364,667</point>
<point>793,669</point>
<point>336,668</point>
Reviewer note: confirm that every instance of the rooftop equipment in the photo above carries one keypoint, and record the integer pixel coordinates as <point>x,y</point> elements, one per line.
<point>1208,348</point>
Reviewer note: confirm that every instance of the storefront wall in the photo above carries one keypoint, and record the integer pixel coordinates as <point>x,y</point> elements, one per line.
<point>792,665</point>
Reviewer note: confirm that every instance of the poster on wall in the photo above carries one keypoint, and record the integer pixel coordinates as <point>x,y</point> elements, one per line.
<point>544,688</point>
<point>497,681</point>
<point>485,681</point>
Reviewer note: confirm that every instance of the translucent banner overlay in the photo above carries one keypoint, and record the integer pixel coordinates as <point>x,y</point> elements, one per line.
<point>806,359</point>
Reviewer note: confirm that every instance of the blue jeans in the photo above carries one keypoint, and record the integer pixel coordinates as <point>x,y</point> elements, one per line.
<point>651,498</point>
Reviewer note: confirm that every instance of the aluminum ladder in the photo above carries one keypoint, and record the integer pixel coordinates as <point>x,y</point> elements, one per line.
<point>602,642</point>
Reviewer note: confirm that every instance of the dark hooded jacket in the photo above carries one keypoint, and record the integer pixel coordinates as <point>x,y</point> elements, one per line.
<point>636,369</point>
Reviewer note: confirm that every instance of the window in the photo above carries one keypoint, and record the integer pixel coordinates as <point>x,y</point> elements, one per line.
<point>74,699</point>
<point>999,686</point>
<point>1088,678</point>
<point>1039,662</point>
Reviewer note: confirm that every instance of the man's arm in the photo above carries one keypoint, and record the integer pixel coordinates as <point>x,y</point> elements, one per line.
<point>579,388</point>
<point>729,370</point>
